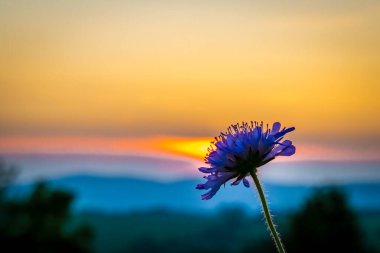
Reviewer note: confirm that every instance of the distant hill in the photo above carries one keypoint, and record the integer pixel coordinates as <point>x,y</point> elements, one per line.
<point>122,194</point>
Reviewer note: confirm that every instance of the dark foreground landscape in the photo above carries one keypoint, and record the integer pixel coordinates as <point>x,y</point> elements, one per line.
<point>96,214</point>
<point>228,231</point>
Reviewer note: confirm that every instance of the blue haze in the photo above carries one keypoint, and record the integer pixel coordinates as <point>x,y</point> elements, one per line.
<point>123,194</point>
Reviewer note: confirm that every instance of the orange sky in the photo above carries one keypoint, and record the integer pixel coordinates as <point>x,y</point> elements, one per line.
<point>137,69</point>
<point>165,146</point>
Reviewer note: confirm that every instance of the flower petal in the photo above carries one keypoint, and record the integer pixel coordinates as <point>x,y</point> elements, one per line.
<point>278,149</point>
<point>236,182</point>
<point>276,127</point>
<point>200,187</point>
<point>206,170</point>
<point>283,132</point>
<point>288,151</point>
<point>245,182</point>
<point>210,194</point>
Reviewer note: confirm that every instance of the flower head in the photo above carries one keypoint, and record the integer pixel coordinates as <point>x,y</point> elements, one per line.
<point>241,149</point>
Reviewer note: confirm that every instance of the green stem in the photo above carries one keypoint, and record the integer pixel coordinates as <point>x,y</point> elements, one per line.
<point>267,215</point>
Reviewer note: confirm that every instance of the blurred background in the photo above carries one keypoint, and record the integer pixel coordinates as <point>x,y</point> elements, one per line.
<point>107,109</point>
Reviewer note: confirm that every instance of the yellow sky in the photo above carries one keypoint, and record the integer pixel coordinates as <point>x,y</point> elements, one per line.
<point>190,68</point>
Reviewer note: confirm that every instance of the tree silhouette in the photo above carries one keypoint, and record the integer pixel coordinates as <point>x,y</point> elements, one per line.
<point>39,222</point>
<point>325,224</point>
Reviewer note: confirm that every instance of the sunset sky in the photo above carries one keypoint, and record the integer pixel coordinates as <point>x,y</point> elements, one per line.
<point>77,72</point>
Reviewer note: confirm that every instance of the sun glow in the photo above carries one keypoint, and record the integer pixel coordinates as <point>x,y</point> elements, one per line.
<point>185,147</point>
<point>193,147</point>
<point>168,145</point>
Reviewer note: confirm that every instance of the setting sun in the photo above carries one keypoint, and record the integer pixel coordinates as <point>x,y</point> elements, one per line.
<point>193,147</point>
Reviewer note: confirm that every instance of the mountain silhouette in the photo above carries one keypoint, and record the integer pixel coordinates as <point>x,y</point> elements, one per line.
<point>124,194</point>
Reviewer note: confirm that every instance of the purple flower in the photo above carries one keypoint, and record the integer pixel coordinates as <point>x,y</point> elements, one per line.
<point>243,148</point>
